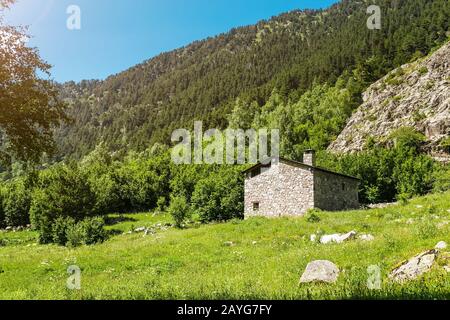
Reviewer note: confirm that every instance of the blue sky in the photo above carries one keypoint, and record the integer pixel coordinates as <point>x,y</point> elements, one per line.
<point>117,34</point>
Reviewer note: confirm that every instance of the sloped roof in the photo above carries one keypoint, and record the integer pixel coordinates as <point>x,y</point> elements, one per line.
<point>303,165</point>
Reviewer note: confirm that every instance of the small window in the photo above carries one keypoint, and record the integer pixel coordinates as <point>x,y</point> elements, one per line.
<point>255,206</point>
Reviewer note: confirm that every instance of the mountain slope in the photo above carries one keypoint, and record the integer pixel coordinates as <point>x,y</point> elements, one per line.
<point>143,105</point>
<point>415,95</point>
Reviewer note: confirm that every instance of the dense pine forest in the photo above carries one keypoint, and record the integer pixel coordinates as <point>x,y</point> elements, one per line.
<point>240,69</point>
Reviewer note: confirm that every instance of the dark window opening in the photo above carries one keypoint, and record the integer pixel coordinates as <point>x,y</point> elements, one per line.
<point>343,187</point>
<point>255,206</point>
<point>255,172</point>
<point>259,170</point>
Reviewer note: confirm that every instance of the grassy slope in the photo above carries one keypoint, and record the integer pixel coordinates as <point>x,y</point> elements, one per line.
<point>196,263</point>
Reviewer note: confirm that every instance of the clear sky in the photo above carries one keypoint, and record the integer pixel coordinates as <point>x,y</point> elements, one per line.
<point>117,34</point>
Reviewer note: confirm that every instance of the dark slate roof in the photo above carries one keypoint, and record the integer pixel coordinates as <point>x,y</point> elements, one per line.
<point>303,165</point>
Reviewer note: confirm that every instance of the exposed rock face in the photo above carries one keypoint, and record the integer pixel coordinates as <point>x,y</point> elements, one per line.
<point>414,267</point>
<point>320,271</point>
<point>415,95</point>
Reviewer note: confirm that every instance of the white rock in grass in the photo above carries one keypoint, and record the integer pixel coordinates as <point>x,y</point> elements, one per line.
<point>313,238</point>
<point>141,229</point>
<point>367,237</point>
<point>320,271</point>
<point>441,245</point>
<point>446,268</point>
<point>415,267</point>
<point>338,238</point>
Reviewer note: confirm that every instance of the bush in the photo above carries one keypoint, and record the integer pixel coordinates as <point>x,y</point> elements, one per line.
<point>93,230</point>
<point>88,232</point>
<point>442,179</point>
<point>62,191</point>
<point>220,197</point>
<point>59,229</point>
<point>16,203</point>
<point>179,210</point>
<point>2,212</point>
<point>75,235</point>
<point>312,216</point>
<point>161,204</point>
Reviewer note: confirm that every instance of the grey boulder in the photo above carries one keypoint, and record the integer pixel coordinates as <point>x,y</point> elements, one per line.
<point>320,271</point>
<point>414,267</point>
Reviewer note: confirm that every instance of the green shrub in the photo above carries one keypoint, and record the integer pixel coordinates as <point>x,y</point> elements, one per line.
<point>312,216</point>
<point>75,235</point>
<point>87,232</point>
<point>423,70</point>
<point>16,203</point>
<point>2,212</point>
<point>403,199</point>
<point>445,144</point>
<point>62,191</point>
<point>161,204</point>
<point>442,179</point>
<point>220,196</point>
<point>59,229</point>
<point>179,210</point>
<point>93,230</point>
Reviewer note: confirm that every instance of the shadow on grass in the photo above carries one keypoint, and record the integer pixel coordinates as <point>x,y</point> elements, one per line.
<point>113,220</point>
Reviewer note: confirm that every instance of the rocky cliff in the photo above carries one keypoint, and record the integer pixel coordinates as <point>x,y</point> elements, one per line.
<point>415,95</point>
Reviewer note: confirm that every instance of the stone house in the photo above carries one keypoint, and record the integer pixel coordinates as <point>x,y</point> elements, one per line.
<point>291,188</point>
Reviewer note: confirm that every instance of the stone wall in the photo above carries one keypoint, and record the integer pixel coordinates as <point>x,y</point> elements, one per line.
<point>335,192</point>
<point>291,190</point>
<point>283,190</point>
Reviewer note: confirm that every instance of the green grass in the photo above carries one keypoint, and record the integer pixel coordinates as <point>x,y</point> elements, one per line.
<point>265,262</point>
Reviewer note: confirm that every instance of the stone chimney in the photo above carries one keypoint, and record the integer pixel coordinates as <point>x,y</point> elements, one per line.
<point>309,158</point>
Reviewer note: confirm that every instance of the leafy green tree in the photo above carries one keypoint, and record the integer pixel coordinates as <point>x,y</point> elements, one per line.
<point>62,191</point>
<point>16,203</point>
<point>29,105</point>
<point>220,196</point>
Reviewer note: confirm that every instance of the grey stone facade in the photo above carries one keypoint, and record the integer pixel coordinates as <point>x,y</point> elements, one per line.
<point>289,188</point>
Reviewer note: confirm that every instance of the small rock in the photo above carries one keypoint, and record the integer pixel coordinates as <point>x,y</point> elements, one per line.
<point>254,243</point>
<point>148,232</point>
<point>8,229</point>
<point>313,238</point>
<point>228,244</point>
<point>441,245</point>
<point>415,267</point>
<point>141,229</point>
<point>419,207</point>
<point>367,237</point>
<point>320,271</point>
<point>410,221</point>
<point>338,238</point>
<point>446,268</point>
